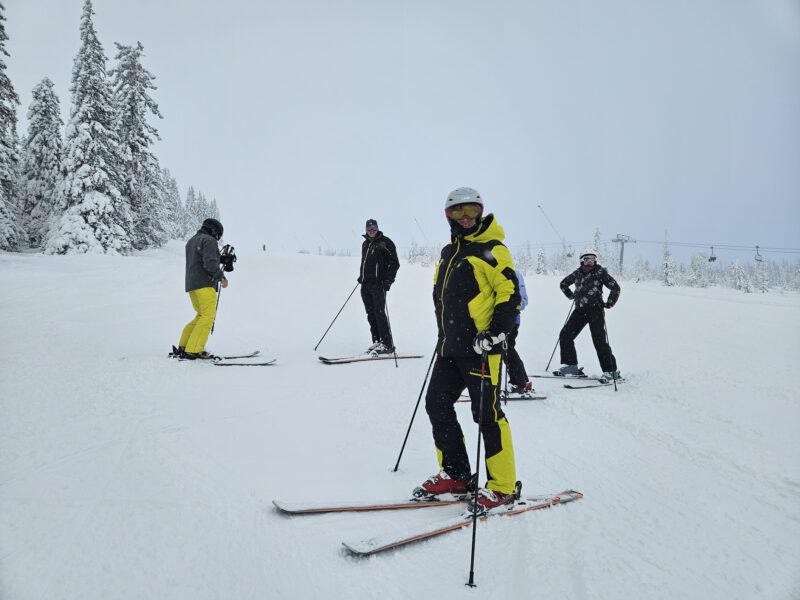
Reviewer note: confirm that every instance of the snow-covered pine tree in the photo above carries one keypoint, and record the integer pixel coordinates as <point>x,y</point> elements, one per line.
<point>739,279</point>
<point>171,199</point>
<point>667,266</point>
<point>761,276</point>
<point>541,262</point>
<point>11,233</point>
<point>213,210</point>
<point>563,263</point>
<point>97,217</point>
<point>599,247</point>
<point>698,271</point>
<point>794,281</point>
<point>203,210</point>
<point>42,151</point>
<point>640,270</point>
<point>141,183</point>
<point>191,220</point>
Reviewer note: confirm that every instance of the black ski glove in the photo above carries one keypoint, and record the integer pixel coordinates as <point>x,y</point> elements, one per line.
<point>386,285</point>
<point>358,280</point>
<point>486,340</point>
<point>608,305</point>
<point>569,294</point>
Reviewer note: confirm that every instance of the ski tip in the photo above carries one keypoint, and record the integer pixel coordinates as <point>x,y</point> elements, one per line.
<point>567,496</point>
<point>354,551</point>
<point>285,507</point>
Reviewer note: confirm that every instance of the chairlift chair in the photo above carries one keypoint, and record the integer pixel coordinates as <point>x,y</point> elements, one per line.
<point>712,258</point>
<point>758,257</point>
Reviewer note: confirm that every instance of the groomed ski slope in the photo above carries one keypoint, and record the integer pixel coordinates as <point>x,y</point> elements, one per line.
<point>126,475</point>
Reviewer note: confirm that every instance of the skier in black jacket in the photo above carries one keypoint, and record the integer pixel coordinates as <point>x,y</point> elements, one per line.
<point>379,265</point>
<point>589,280</point>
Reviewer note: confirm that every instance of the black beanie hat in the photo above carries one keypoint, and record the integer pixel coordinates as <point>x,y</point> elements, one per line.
<point>372,222</point>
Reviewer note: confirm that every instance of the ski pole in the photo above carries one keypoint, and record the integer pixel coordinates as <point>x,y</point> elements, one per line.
<point>614,373</point>
<point>414,414</point>
<point>471,582</point>
<point>336,317</point>
<point>389,323</point>
<point>219,295</point>
<point>558,339</point>
<point>504,368</point>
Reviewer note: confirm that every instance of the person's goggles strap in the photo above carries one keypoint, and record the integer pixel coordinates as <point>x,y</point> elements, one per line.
<point>461,211</point>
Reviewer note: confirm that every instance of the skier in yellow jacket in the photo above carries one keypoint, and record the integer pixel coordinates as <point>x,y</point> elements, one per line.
<point>476,296</point>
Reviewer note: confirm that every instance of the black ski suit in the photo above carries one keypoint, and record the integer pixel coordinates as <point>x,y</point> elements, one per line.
<point>589,308</point>
<point>379,265</point>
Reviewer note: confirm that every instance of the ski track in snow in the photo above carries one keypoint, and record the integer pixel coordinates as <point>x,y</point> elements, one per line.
<point>124,474</point>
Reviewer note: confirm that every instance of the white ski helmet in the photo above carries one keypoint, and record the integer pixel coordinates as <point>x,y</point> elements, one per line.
<point>463,195</point>
<point>589,252</point>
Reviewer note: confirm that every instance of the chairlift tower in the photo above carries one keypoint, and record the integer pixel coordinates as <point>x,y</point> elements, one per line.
<point>622,240</point>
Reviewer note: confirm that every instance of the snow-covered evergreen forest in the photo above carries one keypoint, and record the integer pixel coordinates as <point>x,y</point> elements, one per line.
<point>94,185</point>
<point>756,274</point>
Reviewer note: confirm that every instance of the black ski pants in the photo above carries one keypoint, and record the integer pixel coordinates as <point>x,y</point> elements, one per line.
<point>449,377</point>
<point>596,318</point>
<point>516,369</point>
<point>374,297</point>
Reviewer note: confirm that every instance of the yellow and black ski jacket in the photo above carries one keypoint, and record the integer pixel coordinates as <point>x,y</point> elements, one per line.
<point>475,289</point>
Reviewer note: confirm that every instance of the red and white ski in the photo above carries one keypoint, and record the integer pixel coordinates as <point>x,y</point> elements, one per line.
<point>312,508</point>
<point>387,542</point>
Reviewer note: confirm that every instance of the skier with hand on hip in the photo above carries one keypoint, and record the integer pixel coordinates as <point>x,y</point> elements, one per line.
<point>588,280</point>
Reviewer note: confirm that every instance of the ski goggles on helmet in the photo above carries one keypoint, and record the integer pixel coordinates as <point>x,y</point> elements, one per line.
<point>588,258</point>
<point>373,228</point>
<point>463,211</point>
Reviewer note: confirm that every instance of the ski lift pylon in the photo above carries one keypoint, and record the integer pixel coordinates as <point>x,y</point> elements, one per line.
<point>712,258</point>
<point>758,257</point>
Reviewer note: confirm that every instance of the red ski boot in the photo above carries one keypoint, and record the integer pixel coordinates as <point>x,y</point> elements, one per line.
<point>490,500</point>
<point>441,483</point>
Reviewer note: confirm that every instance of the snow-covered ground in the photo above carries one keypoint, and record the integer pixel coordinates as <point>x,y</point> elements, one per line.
<point>127,475</point>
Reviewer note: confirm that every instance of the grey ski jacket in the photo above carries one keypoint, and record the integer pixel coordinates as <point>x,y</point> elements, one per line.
<point>202,262</point>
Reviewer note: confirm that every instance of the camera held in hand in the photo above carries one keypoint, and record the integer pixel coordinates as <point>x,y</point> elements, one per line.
<point>227,257</point>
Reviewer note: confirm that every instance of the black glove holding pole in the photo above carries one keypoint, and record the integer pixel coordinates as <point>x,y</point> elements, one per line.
<point>486,340</point>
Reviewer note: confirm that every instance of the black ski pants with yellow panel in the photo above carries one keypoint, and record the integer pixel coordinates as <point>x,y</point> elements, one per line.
<point>449,378</point>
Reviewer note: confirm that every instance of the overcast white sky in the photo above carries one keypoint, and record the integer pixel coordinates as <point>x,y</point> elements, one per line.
<point>303,118</point>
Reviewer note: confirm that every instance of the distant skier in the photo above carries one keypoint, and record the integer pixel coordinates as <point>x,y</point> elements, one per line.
<point>203,273</point>
<point>520,384</point>
<point>476,300</point>
<point>589,280</point>
<point>379,265</point>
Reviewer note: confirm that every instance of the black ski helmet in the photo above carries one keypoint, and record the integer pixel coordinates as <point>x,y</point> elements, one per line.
<point>213,228</point>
